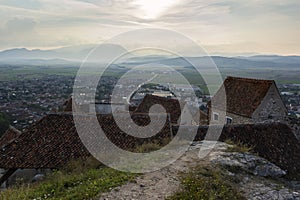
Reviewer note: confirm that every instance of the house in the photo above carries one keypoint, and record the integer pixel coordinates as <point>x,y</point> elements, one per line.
<point>106,108</point>
<point>171,106</point>
<point>247,101</point>
<point>53,141</point>
<point>69,105</point>
<point>11,174</point>
<point>10,134</point>
<point>174,108</point>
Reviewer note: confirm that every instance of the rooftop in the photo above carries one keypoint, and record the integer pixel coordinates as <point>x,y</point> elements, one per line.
<point>53,141</point>
<point>243,95</point>
<point>172,106</point>
<point>11,134</point>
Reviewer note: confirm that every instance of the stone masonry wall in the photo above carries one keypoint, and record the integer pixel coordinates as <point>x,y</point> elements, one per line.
<point>236,119</point>
<point>271,109</point>
<point>275,142</point>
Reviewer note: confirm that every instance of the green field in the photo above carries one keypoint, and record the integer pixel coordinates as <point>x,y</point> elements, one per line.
<point>281,76</point>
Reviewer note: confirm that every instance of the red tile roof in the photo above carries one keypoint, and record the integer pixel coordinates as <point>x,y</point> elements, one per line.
<point>49,143</point>
<point>172,106</point>
<point>243,95</point>
<point>53,141</point>
<point>67,107</point>
<point>11,134</point>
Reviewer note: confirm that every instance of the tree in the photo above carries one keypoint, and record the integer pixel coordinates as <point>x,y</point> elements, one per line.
<point>4,123</point>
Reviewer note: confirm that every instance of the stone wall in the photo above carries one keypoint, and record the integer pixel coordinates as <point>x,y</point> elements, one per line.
<point>236,119</point>
<point>271,109</point>
<point>222,116</point>
<point>275,142</point>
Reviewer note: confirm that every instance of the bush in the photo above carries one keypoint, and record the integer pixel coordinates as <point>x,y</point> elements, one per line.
<point>4,123</point>
<point>238,147</point>
<point>207,183</point>
<point>152,146</point>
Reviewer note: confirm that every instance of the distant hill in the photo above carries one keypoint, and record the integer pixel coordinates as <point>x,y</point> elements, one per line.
<point>107,52</point>
<point>226,62</point>
<point>275,58</point>
<point>23,53</point>
<point>62,55</point>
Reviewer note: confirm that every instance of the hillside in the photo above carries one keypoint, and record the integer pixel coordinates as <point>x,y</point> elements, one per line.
<point>230,171</point>
<point>241,175</point>
<point>66,55</point>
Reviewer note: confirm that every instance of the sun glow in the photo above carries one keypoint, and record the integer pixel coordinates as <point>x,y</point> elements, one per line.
<point>152,9</point>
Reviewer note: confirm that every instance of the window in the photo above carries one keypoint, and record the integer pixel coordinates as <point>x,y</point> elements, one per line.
<point>216,116</point>
<point>228,120</point>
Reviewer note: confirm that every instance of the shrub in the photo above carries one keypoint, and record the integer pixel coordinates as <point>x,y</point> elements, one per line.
<point>207,183</point>
<point>152,146</point>
<point>238,147</point>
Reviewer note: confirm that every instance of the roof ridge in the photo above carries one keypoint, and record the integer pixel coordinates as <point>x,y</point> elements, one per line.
<point>249,79</point>
<point>250,94</point>
<point>15,129</point>
<point>8,138</point>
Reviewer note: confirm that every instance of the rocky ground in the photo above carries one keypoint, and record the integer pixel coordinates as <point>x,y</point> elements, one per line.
<point>258,178</point>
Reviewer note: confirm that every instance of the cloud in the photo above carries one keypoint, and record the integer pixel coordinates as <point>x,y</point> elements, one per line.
<point>27,4</point>
<point>102,2</point>
<point>22,32</point>
<point>20,25</point>
<point>215,22</point>
<point>16,31</point>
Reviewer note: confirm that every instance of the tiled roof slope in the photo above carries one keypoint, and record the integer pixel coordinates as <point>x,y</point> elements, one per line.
<point>243,95</point>
<point>11,134</point>
<point>49,143</point>
<point>125,141</point>
<point>67,107</point>
<point>53,141</point>
<point>172,106</point>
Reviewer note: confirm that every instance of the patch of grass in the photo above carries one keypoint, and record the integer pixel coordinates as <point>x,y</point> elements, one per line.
<point>79,165</point>
<point>152,146</point>
<point>238,147</point>
<point>207,183</point>
<point>147,147</point>
<point>67,184</point>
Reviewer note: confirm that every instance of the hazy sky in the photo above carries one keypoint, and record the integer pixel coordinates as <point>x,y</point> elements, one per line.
<point>233,26</point>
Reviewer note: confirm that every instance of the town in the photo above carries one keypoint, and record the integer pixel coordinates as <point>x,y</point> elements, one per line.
<point>56,135</point>
<point>24,101</point>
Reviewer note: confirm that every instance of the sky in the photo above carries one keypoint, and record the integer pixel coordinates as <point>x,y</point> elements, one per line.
<point>225,27</point>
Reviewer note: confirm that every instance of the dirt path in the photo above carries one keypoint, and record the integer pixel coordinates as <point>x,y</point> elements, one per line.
<point>156,185</point>
<point>165,182</point>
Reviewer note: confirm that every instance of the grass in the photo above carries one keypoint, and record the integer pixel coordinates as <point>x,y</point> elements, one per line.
<point>84,182</point>
<point>238,147</point>
<point>207,183</point>
<point>152,146</point>
<point>147,147</point>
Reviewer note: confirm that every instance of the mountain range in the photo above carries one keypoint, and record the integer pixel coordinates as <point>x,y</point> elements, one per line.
<point>76,54</point>
<point>72,54</point>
